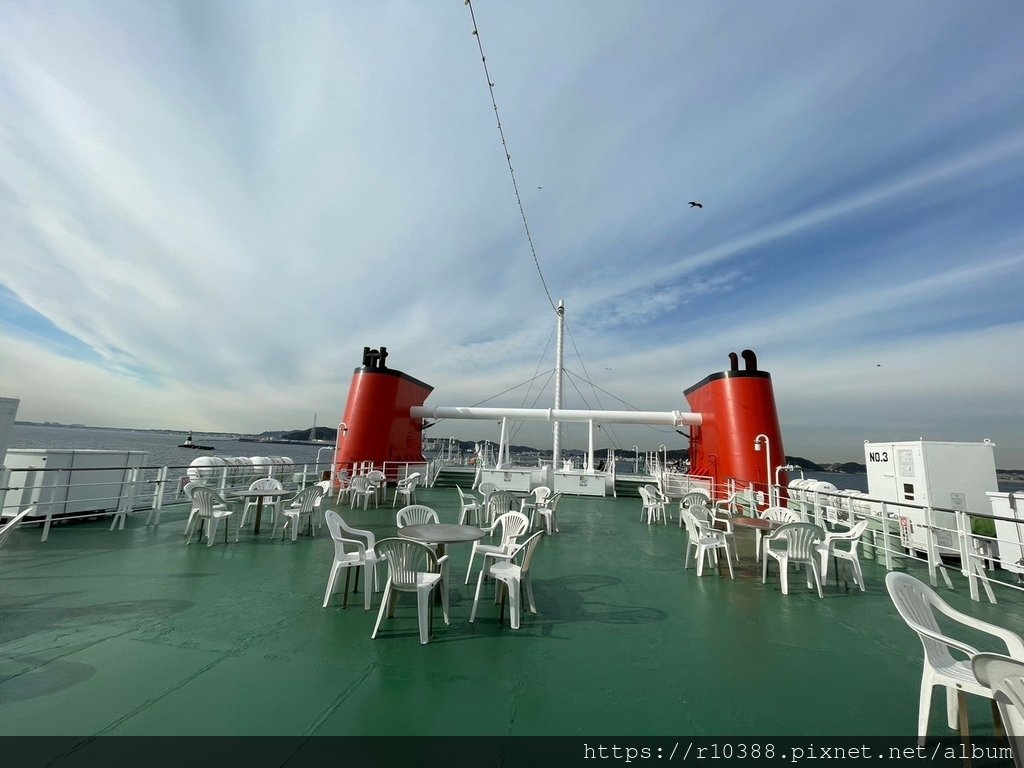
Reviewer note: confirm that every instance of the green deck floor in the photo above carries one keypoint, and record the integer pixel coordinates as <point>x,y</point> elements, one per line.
<point>133,632</point>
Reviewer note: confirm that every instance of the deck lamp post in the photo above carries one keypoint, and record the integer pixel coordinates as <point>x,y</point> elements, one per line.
<point>664,456</point>
<point>636,459</point>
<point>767,462</point>
<point>781,468</point>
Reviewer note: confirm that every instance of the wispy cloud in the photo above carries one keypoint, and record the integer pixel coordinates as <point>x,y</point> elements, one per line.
<point>206,211</point>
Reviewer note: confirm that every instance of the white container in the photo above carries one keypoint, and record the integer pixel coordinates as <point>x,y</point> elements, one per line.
<point>69,482</point>
<point>511,479</point>
<point>930,473</point>
<point>1009,535</point>
<point>8,410</point>
<point>579,483</point>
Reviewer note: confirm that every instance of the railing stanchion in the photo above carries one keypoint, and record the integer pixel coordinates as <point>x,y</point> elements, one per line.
<point>885,538</point>
<point>5,481</point>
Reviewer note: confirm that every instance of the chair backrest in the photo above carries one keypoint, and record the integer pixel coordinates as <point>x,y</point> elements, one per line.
<point>540,493</point>
<point>464,500</point>
<point>266,484</point>
<point>190,488</point>
<point>337,527</point>
<point>655,493</point>
<point>486,489</point>
<point>13,523</point>
<point>700,512</point>
<point>801,540</point>
<point>513,525</point>
<point>307,498</point>
<point>376,477</point>
<point>360,484</point>
<point>203,499</point>
<point>409,483</point>
<point>914,601</point>
<point>695,497</point>
<point>415,514</point>
<point>853,535</point>
<point>523,553</point>
<point>500,502</point>
<point>690,521</point>
<point>781,515</point>
<point>551,502</point>
<point>1005,676</point>
<point>405,559</point>
<point>705,530</point>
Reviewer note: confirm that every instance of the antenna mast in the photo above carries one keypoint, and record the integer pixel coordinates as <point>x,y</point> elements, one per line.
<point>556,442</point>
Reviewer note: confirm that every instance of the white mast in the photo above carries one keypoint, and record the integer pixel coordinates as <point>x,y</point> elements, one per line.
<point>556,442</point>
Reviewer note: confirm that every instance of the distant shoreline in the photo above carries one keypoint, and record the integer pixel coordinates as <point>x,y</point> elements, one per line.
<point>1009,475</point>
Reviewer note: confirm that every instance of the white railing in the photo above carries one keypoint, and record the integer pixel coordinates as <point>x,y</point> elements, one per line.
<point>64,494</point>
<point>940,538</point>
<point>675,485</point>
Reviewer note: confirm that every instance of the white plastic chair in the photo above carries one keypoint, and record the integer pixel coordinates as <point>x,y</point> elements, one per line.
<point>361,488</point>
<point>720,518</point>
<point>512,524</point>
<point>1005,677</point>
<point>412,567</point>
<point>645,503</point>
<point>380,485</point>
<point>828,549</point>
<point>326,486</point>
<point>536,498</point>
<point>706,540</point>
<point>406,488</point>
<point>362,556</point>
<point>794,543</point>
<point>513,570</point>
<point>692,535</point>
<point>486,489</point>
<point>303,504</point>
<point>547,511</point>
<point>776,515</point>
<point>469,507</point>
<point>916,604</point>
<point>652,508</point>
<point>188,490</point>
<point>208,508</point>
<point>269,504</point>
<point>699,498</point>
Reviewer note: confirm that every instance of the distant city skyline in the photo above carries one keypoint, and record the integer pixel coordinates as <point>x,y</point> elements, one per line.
<point>208,210</point>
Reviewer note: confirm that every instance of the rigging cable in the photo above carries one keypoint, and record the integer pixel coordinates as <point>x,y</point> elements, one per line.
<point>508,157</point>
<point>572,340</point>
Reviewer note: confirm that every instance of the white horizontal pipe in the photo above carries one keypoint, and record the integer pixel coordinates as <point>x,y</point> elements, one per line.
<point>671,418</point>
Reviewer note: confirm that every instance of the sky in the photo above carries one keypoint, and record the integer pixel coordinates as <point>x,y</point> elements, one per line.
<point>208,208</point>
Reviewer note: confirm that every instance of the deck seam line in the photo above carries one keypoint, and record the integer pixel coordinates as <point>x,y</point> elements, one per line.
<point>183,682</point>
<point>341,698</point>
<point>59,657</point>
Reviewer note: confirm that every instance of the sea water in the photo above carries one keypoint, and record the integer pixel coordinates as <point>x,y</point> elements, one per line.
<point>162,447</point>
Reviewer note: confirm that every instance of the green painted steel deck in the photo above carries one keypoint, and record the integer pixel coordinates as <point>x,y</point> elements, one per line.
<point>133,632</point>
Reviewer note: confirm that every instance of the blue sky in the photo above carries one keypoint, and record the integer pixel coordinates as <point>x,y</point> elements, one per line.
<point>208,209</point>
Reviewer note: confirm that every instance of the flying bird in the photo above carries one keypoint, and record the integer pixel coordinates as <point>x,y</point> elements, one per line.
<point>695,204</point>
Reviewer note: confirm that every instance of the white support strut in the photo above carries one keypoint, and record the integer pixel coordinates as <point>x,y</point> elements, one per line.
<point>551,415</point>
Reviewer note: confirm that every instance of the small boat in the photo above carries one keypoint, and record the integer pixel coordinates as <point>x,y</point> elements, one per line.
<point>189,444</point>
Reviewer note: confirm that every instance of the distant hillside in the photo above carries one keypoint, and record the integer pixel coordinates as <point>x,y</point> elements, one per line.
<point>322,433</point>
<point>848,467</point>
